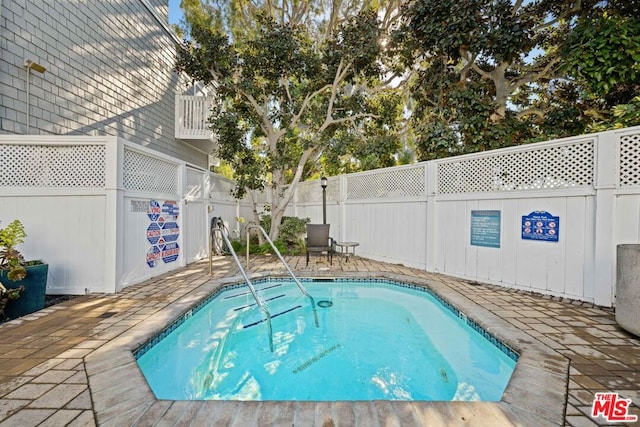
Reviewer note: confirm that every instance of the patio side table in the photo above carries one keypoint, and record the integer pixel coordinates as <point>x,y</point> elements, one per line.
<point>344,249</point>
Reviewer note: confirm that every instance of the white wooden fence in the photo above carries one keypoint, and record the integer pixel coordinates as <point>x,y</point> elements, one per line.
<point>424,215</point>
<point>106,213</point>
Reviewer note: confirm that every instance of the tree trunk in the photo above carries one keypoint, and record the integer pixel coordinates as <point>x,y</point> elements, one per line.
<point>256,216</point>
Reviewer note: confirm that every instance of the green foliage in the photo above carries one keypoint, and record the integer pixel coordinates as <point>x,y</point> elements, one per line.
<point>10,258</point>
<point>290,229</point>
<point>284,94</point>
<point>603,54</point>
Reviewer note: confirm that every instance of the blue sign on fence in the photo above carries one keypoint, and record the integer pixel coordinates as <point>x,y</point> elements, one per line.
<point>171,209</point>
<point>170,231</point>
<point>541,225</point>
<point>153,256</point>
<point>170,252</point>
<point>153,212</point>
<point>485,228</point>
<point>153,233</point>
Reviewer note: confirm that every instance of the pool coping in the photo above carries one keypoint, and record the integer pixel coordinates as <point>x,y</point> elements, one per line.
<point>535,395</point>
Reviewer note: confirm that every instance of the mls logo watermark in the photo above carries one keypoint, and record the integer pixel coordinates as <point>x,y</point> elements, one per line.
<point>612,407</point>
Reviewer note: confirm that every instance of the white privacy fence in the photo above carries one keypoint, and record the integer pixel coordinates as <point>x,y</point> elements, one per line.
<point>544,217</point>
<point>105,213</point>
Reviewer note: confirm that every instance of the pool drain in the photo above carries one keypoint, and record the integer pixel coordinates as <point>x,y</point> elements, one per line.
<point>325,303</point>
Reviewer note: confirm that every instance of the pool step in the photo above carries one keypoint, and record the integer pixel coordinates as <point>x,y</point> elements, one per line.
<point>242,307</point>
<point>241,294</point>
<point>273,316</point>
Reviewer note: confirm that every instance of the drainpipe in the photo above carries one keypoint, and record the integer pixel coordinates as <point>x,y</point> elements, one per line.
<point>35,67</point>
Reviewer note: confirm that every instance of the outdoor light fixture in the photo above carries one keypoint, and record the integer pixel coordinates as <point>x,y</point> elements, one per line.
<point>323,184</point>
<point>35,67</point>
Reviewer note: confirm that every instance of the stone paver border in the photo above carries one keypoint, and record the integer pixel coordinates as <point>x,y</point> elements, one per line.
<point>535,395</point>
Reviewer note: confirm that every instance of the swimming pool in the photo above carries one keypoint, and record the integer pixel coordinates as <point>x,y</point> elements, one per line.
<point>376,340</point>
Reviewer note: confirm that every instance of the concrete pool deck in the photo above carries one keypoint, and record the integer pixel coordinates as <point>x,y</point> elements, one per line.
<point>71,364</point>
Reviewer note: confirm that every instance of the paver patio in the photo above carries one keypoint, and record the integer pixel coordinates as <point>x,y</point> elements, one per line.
<point>54,370</point>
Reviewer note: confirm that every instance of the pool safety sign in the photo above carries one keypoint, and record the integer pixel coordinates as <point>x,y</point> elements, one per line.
<point>163,232</point>
<point>485,228</point>
<point>541,225</point>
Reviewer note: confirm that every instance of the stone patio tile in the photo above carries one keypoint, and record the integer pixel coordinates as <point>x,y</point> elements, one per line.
<point>190,412</point>
<point>387,413</point>
<point>172,413</point>
<point>30,391</point>
<point>365,414</point>
<point>53,376</point>
<point>344,413</point>
<point>27,418</point>
<point>280,416</point>
<point>324,413</point>
<point>58,397</point>
<point>82,401</point>
<point>85,419</point>
<point>9,406</point>
<point>9,384</point>
<point>154,412</point>
<point>69,364</point>
<point>80,377</point>
<point>305,414</point>
<point>579,421</point>
<point>226,413</point>
<point>61,418</point>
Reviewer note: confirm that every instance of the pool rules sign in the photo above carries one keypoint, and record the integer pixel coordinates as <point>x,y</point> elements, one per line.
<point>163,232</point>
<point>540,225</point>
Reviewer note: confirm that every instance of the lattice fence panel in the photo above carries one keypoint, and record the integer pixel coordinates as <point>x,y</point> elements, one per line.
<point>386,184</point>
<point>195,183</point>
<point>630,160</point>
<point>222,189</point>
<point>145,173</point>
<point>61,166</point>
<point>311,191</point>
<point>556,167</point>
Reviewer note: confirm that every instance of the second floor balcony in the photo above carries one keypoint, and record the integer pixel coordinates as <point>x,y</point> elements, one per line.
<point>191,125</point>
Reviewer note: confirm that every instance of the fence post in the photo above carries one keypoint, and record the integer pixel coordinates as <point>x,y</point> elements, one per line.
<point>343,206</point>
<point>430,185</point>
<point>606,147</point>
<point>114,205</point>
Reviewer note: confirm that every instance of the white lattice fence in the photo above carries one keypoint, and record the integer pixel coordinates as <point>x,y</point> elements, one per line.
<point>61,166</point>
<point>195,183</point>
<point>387,183</point>
<point>142,172</point>
<point>221,189</point>
<point>550,167</point>
<point>629,160</point>
<point>311,191</point>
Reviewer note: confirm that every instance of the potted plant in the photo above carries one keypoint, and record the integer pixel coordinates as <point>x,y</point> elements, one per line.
<point>26,293</point>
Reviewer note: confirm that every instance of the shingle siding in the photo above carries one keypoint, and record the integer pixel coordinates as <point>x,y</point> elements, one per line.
<point>109,71</point>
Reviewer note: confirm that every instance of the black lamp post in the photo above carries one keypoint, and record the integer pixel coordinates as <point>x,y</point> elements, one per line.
<point>323,184</point>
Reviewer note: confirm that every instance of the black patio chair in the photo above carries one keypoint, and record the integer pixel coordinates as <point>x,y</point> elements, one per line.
<point>318,240</point>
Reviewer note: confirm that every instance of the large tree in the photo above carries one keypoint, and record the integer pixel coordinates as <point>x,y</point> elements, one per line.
<point>477,64</point>
<point>285,89</point>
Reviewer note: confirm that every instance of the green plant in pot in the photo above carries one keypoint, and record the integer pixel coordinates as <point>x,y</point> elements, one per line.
<point>22,283</point>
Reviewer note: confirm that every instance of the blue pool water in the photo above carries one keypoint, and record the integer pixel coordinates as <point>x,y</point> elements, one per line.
<point>374,341</point>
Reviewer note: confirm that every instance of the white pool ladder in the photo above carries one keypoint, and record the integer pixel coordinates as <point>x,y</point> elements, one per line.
<point>293,276</point>
<point>259,301</point>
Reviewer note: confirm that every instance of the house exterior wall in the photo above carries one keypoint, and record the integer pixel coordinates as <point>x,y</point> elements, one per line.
<point>109,72</point>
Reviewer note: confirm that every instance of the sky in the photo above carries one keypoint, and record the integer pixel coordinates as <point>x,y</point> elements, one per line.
<point>175,14</point>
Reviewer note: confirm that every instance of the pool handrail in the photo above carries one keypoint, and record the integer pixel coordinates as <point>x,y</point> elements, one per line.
<point>260,303</point>
<point>251,226</point>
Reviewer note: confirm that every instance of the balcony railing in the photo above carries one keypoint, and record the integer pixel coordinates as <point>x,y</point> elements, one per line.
<point>191,116</point>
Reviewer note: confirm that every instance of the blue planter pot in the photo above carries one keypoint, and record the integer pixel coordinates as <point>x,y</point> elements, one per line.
<point>35,288</point>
